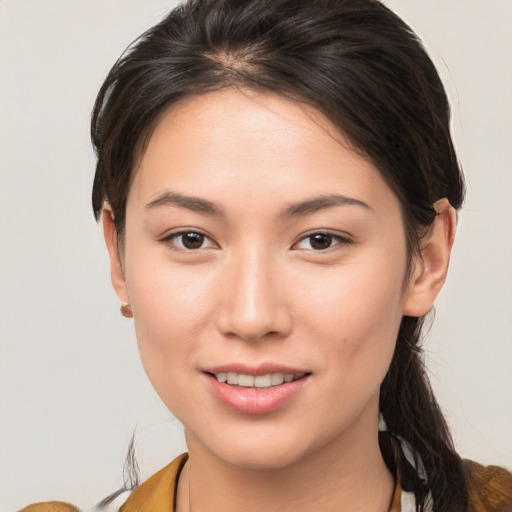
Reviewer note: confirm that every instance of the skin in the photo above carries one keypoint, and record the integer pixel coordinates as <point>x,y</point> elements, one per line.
<point>257,291</point>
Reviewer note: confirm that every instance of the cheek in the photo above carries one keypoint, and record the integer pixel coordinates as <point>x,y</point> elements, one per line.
<point>171,309</point>
<point>355,313</point>
<point>363,295</point>
<point>169,298</point>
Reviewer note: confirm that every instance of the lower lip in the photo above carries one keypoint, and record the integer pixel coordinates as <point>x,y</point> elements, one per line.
<point>255,400</point>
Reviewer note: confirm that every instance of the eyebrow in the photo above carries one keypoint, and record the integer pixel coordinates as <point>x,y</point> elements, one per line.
<point>196,204</point>
<point>321,203</point>
<point>309,206</point>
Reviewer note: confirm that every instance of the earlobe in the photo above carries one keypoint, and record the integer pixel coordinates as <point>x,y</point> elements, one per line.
<point>431,266</point>
<point>116,267</point>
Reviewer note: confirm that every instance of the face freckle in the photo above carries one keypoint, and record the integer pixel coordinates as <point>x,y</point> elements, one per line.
<point>257,177</point>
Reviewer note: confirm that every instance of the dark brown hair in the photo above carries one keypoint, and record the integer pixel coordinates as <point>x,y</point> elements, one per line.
<point>363,68</point>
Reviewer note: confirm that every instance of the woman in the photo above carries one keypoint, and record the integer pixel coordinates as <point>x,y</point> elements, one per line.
<point>278,188</point>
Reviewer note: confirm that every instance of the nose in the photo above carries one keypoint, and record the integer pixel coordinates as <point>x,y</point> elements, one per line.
<point>253,303</point>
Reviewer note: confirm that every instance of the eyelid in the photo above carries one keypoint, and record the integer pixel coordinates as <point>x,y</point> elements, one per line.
<point>342,239</point>
<point>169,238</point>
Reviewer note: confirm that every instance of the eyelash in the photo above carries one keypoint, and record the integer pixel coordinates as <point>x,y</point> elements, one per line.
<point>338,239</point>
<point>171,240</point>
<point>201,237</point>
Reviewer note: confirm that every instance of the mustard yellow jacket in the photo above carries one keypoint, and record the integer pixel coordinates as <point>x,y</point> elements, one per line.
<point>490,491</point>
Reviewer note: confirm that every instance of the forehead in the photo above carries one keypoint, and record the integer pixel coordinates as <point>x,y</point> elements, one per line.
<point>236,144</point>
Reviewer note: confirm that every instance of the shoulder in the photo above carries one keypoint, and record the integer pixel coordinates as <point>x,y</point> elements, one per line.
<point>157,494</point>
<point>490,487</point>
<point>50,506</point>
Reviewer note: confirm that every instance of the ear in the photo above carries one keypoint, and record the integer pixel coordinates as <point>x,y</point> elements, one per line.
<point>116,264</point>
<point>431,266</point>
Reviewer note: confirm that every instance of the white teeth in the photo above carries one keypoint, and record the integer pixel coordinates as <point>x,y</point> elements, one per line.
<point>246,381</point>
<point>232,378</point>
<point>277,379</point>
<point>263,381</point>
<point>259,381</point>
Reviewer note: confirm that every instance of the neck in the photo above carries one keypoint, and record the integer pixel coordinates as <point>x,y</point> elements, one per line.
<point>342,476</point>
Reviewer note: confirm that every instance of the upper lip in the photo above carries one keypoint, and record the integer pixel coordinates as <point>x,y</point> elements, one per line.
<point>255,369</point>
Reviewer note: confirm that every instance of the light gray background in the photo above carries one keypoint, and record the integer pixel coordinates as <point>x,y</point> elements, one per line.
<point>71,385</point>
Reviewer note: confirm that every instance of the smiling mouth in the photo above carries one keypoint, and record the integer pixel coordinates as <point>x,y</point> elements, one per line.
<point>257,381</point>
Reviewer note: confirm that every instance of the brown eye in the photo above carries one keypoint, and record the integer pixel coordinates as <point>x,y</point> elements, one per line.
<point>189,241</point>
<point>320,241</point>
<point>192,240</point>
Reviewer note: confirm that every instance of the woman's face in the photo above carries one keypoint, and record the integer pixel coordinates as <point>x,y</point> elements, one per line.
<point>260,248</point>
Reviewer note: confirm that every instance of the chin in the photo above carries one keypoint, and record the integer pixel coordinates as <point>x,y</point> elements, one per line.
<point>257,449</point>
<point>258,458</point>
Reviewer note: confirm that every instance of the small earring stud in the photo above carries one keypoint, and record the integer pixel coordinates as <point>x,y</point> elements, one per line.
<point>126,310</point>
